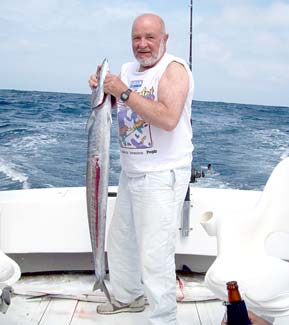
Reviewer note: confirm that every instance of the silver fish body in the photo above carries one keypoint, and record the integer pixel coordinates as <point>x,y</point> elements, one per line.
<point>98,128</point>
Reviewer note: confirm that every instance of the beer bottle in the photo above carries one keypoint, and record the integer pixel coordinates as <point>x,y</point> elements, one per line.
<point>236,309</point>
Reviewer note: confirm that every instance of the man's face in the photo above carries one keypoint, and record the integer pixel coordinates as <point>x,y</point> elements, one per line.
<point>148,42</point>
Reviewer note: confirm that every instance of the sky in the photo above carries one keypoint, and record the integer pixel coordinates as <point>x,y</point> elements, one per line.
<point>240,47</point>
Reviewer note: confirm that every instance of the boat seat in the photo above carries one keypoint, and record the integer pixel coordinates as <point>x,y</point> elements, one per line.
<point>9,271</point>
<point>241,249</point>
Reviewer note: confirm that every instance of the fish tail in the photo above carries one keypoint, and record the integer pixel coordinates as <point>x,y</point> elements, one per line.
<point>103,287</point>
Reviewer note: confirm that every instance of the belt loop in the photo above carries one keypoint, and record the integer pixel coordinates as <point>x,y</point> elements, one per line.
<point>174,178</point>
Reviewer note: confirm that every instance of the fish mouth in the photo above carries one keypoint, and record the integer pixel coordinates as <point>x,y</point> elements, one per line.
<point>100,105</point>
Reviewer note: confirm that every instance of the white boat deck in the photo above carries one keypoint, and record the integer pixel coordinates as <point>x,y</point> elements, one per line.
<point>51,311</point>
<point>67,299</point>
<point>19,210</point>
<point>54,311</point>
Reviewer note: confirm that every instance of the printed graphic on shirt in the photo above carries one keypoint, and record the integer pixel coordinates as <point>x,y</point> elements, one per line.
<point>134,132</point>
<point>135,84</point>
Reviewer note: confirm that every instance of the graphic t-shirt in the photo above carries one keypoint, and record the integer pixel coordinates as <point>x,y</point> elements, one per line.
<point>144,147</point>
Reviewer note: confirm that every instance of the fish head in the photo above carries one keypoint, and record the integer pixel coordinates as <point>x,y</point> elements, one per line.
<point>98,96</point>
<point>104,70</point>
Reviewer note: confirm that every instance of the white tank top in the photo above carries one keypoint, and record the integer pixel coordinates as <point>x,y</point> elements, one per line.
<point>144,147</point>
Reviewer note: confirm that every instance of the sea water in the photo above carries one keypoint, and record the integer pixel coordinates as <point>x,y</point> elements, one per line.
<point>43,141</point>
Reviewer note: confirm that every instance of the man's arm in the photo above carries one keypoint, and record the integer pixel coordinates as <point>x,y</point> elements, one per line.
<point>172,93</point>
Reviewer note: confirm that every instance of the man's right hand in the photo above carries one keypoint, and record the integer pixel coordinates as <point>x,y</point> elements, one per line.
<point>93,81</point>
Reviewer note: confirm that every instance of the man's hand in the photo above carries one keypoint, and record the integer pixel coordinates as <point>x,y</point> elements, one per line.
<point>93,81</point>
<point>113,85</point>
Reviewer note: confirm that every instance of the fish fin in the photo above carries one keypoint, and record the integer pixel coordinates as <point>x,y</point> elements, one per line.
<point>97,285</point>
<point>90,120</point>
<point>106,291</point>
<point>109,117</point>
<point>96,97</point>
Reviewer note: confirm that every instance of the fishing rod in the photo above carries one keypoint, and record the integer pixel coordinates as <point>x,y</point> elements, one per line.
<point>185,226</point>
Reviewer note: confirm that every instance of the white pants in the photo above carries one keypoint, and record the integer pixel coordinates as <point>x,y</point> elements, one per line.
<point>142,238</point>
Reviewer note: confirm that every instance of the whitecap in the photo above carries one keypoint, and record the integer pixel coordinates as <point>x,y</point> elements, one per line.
<point>10,171</point>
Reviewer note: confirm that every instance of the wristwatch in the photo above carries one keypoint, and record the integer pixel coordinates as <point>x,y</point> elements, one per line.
<point>125,95</point>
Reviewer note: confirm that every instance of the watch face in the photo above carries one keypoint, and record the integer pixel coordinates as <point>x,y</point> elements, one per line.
<point>125,95</point>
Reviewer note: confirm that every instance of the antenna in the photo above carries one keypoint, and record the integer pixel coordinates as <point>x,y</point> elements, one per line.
<point>191,34</point>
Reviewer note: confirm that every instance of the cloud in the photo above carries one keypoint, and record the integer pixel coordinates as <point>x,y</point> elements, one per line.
<point>243,44</point>
<point>56,45</point>
<point>68,14</point>
<point>67,35</point>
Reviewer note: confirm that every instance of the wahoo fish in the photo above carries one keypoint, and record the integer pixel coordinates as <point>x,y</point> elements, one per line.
<point>98,128</point>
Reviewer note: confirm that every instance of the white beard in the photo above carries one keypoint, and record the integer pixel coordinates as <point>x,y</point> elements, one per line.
<point>147,62</point>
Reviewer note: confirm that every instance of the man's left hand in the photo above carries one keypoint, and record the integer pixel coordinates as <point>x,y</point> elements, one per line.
<point>113,85</point>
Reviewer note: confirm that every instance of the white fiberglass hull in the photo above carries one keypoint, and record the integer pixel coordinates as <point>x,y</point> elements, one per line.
<point>47,229</point>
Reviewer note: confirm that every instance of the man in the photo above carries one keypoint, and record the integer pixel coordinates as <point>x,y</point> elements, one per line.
<point>154,98</point>
<point>196,174</point>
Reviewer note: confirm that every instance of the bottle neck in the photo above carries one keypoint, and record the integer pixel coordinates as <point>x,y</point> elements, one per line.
<point>234,295</point>
<point>233,292</point>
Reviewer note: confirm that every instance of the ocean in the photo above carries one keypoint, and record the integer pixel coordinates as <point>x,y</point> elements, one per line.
<point>44,141</point>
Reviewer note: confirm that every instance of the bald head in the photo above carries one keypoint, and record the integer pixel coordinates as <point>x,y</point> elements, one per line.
<point>149,39</point>
<point>150,19</point>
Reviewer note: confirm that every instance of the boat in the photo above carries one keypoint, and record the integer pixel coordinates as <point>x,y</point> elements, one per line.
<point>50,225</point>
<point>46,230</point>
